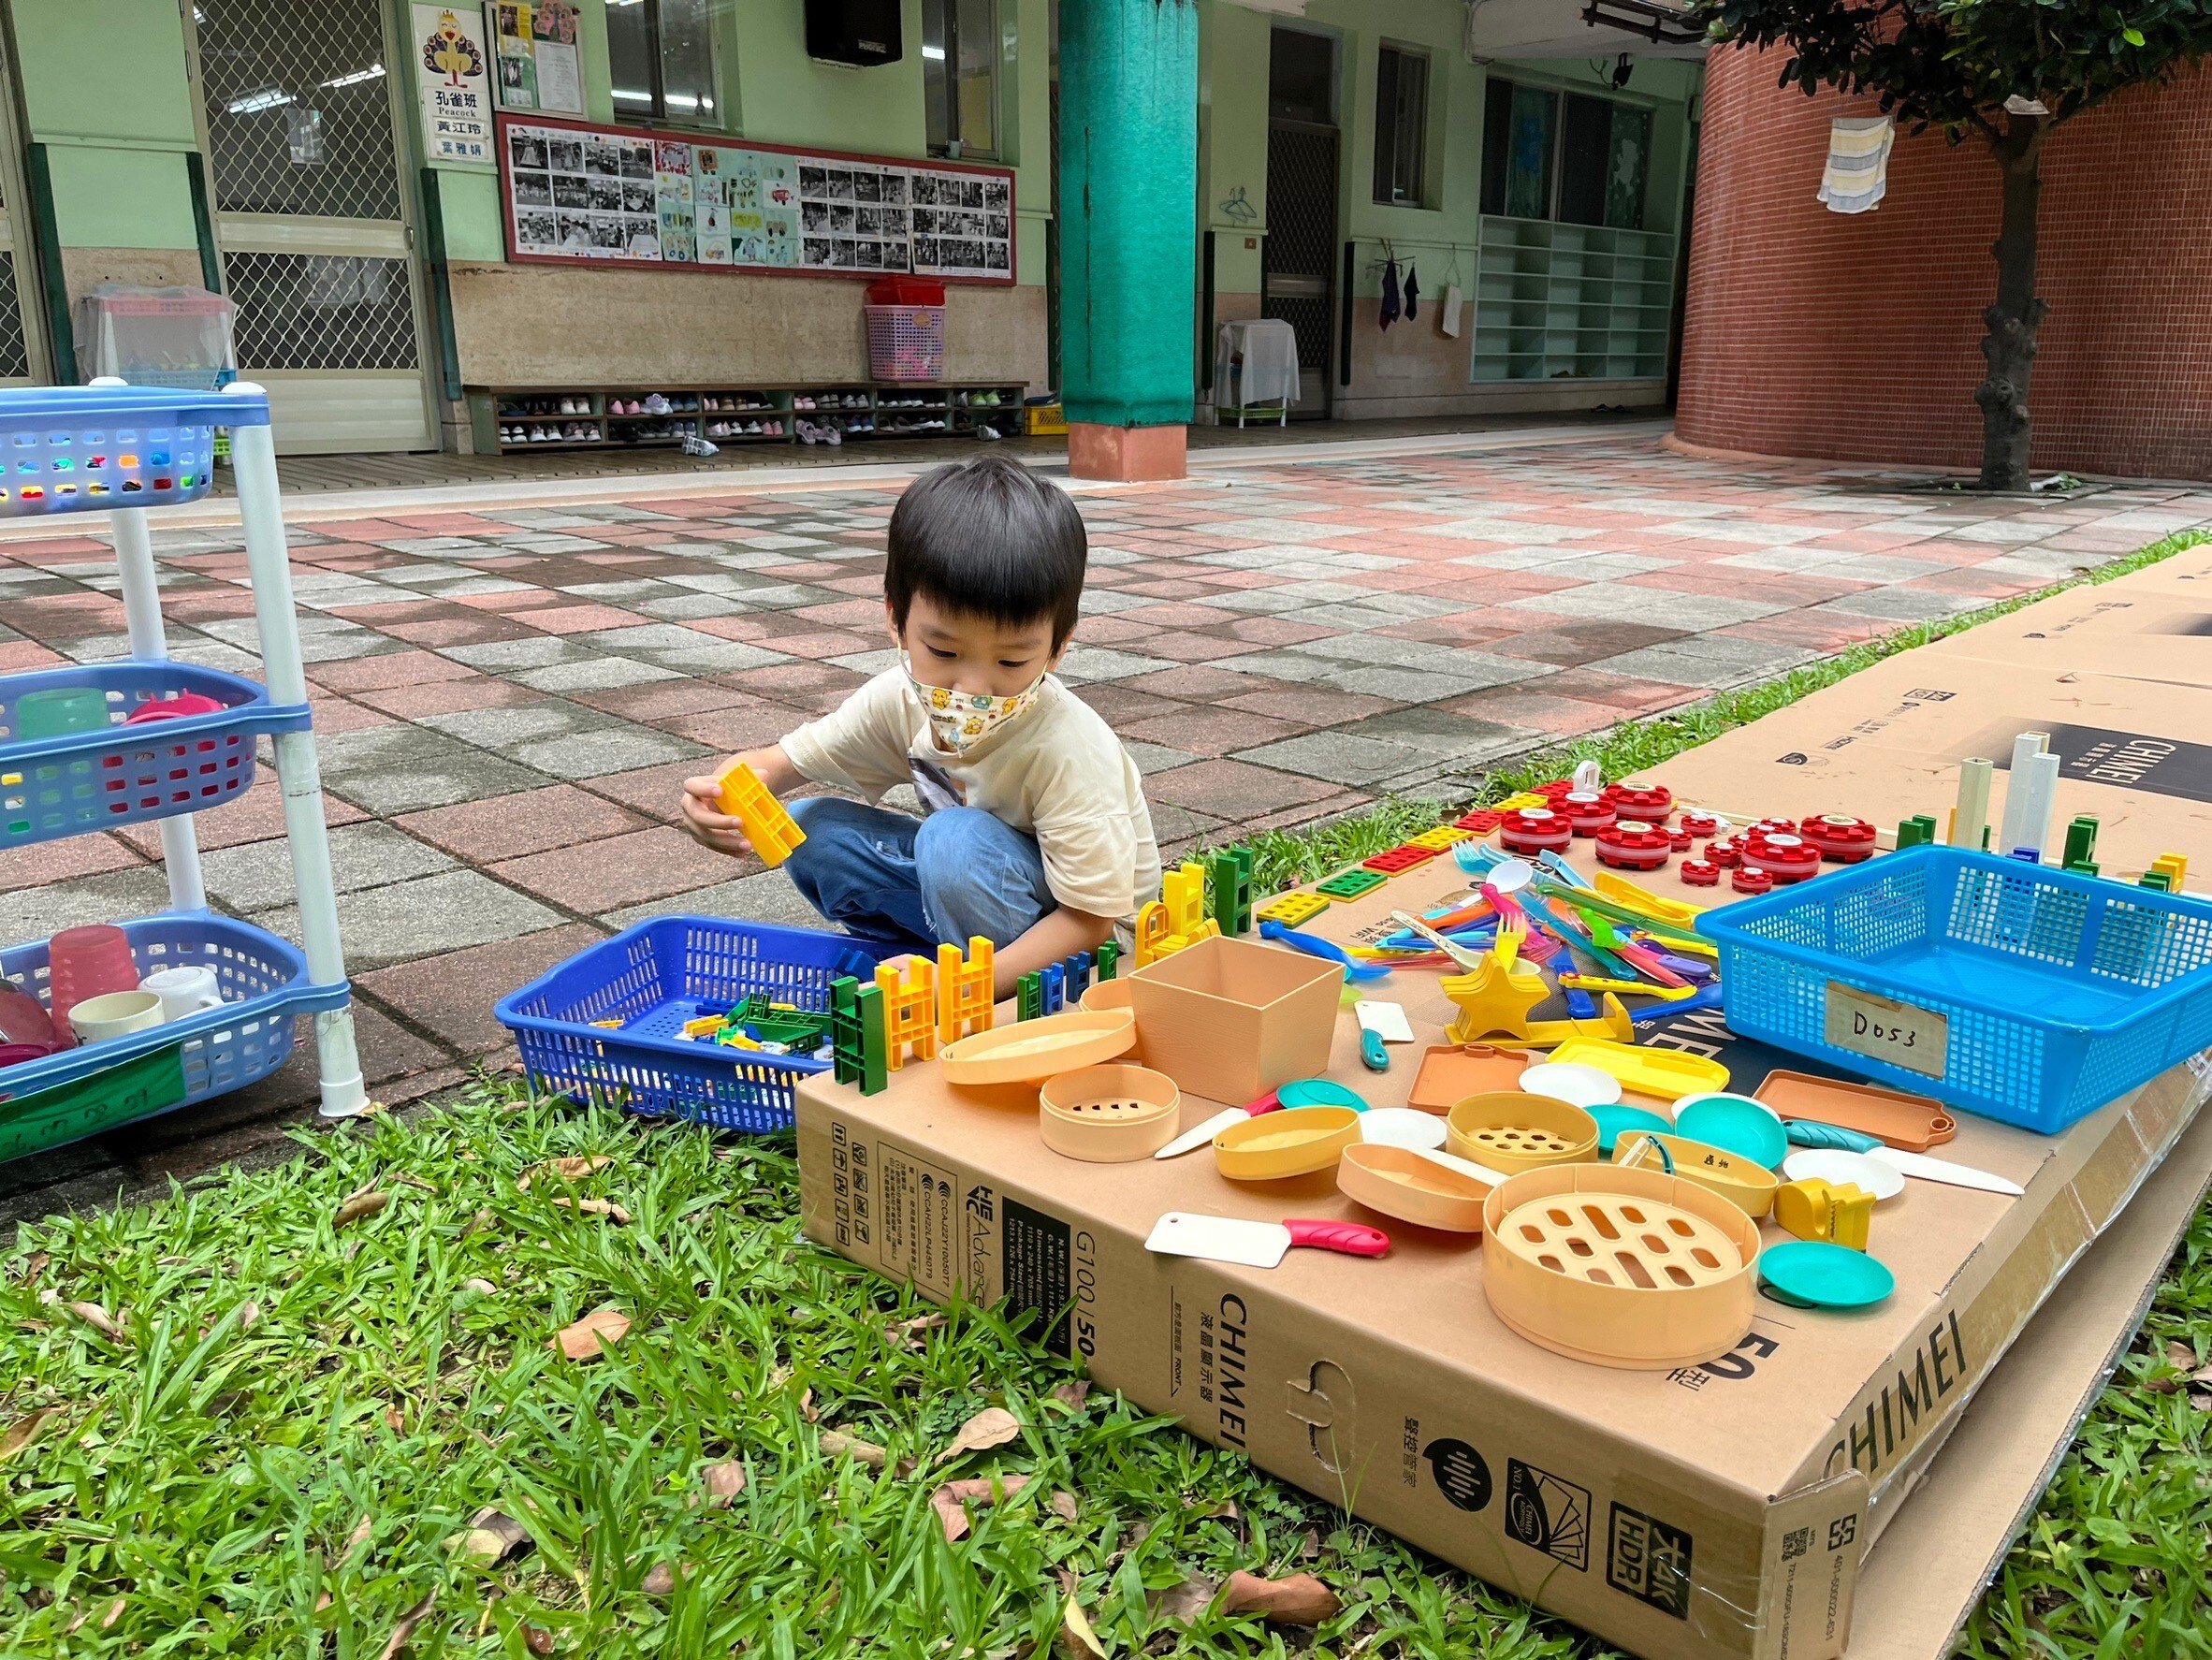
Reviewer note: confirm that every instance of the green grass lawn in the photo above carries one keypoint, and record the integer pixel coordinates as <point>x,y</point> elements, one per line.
<point>267,1415</point>
<point>271,1427</point>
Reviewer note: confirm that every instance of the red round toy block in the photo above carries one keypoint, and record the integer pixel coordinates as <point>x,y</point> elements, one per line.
<point>1751,882</point>
<point>1700,873</point>
<point>1782,855</point>
<point>1787,826</point>
<point>1535,830</point>
<point>1651,803</point>
<point>1588,811</point>
<point>1724,850</point>
<point>1554,790</point>
<point>1634,845</point>
<point>1701,825</point>
<point>1683,841</point>
<point>1839,837</point>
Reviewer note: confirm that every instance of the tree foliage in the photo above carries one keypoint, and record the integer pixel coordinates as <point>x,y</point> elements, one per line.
<point>1952,63</point>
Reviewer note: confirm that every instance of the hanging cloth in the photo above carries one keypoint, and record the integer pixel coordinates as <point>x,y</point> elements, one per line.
<point>1389,293</point>
<point>1447,318</point>
<point>1858,173</point>
<point>1413,292</point>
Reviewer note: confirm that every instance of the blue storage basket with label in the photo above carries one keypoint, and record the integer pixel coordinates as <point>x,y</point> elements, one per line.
<point>2023,993</point>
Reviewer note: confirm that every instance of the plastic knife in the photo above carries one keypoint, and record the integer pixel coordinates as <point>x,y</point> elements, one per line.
<point>1942,1170</point>
<point>1258,1245</point>
<point>1465,1167</point>
<point>1191,1140</point>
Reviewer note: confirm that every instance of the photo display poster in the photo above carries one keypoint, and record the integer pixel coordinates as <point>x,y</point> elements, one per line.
<point>579,193</point>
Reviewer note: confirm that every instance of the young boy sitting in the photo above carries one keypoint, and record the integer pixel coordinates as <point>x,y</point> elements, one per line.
<point>1035,834</point>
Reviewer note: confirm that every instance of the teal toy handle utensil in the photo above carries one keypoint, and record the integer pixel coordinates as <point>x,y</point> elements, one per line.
<point>1372,1056</point>
<point>1810,1133</point>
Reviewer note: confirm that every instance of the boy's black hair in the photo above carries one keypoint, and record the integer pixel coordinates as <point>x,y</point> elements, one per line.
<point>988,538</point>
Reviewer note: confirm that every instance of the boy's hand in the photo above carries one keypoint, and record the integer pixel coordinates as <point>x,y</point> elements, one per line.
<point>704,821</point>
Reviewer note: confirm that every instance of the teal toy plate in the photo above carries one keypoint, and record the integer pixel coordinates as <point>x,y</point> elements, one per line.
<point>1615,1121</point>
<point>1734,1124</point>
<point>1319,1092</point>
<point>1813,1273</point>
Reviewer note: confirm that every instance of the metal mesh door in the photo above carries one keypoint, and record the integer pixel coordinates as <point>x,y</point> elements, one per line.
<point>15,349</point>
<point>1302,238</point>
<point>299,129</point>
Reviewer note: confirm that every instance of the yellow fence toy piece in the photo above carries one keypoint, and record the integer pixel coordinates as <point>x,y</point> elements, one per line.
<point>1513,803</point>
<point>910,1012</point>
<point>1292,908</point>
<point>1439,841</point>
<point>1177,918</point>
<point>964,999</point>
<point>772,831</point>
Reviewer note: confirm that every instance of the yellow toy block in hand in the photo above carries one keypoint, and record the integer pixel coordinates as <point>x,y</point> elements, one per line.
<point>772,831</point>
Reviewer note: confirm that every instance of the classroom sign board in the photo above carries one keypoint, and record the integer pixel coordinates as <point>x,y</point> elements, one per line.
<point>580,194</point>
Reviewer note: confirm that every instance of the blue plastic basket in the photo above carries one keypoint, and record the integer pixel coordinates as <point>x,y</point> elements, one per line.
<point>105,778</point>
<point>2032,995</point>
<point>653,978</point>
<point>67,450</point>
<point>264,981</point>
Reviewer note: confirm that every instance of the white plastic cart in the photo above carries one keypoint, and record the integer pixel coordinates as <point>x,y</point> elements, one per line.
<point>120,449</point>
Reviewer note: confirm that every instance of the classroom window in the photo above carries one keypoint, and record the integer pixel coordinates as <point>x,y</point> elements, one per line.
<point>661,59</point>
<point>960,76</point>
<point>1400,125</point>
<point>1564,155</point>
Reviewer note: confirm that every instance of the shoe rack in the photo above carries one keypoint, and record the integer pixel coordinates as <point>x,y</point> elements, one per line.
<point>523,420</point>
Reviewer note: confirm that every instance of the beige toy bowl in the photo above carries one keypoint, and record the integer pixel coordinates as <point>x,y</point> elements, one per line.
<point>1295,1141</point>
<point>1627,1268</point>
<point>1110,997</point>
<point>1747,1185</point>
<point>1229,1019</point>
<point>1109,1115</point>
<point>1512,1131</point>
<point>1030,1050</point>
<point>1399,1181</point>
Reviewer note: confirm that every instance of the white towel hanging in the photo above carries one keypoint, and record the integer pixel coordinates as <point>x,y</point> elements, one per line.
<point>1858,173</point>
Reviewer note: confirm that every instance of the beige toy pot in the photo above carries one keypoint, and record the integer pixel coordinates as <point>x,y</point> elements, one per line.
<point>1107,1114</point>
<point>1106,997</point>
<point>1231,1020</point>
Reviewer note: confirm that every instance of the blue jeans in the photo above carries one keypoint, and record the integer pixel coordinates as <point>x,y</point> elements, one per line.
<point>918,882</point>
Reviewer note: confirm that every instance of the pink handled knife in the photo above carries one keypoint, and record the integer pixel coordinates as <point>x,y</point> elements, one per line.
<point>1197,1135</point>
<point>1260,1245</point>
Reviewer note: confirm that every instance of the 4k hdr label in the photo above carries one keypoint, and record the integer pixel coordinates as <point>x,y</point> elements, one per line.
<point>1881,1028</point>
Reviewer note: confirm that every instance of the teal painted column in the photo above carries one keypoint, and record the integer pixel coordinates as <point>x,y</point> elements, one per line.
<point>1128,232</point>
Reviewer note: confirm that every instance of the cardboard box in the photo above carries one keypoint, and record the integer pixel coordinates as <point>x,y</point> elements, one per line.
<point>2123,629</point>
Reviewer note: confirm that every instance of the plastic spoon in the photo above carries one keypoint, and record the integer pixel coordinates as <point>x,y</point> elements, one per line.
<point>1328,949</point>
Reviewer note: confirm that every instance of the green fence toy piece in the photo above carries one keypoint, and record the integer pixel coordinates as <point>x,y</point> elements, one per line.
<point>1109,954</point>
<point>873,1048</point>
<point>2081,842</point>
<point>1232,890</point>
<point>1350,884</point>
<point>1029,996</point>
<point>847,1056</point>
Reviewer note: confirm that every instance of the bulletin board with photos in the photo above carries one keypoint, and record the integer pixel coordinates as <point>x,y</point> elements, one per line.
<point>578,194</point>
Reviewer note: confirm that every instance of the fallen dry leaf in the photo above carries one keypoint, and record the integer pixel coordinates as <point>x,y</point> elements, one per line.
<point>1311,1550</point>
<point>493,1537</point>
<point>100,1320</point>
<point>405,1628</point>
<point>569,1169</point>
<point>906,1332</point>
<point>483,1288</point>
<point>114,1613</point>
<point>24,1431</point>
<point>994,1426</point>
<point>596,1207</point>
<point>1298,1600</point>
<point>1063,1505</point>
<point>354,1539</point>
<point>660,1579</point>
<point>483,1220</point>
<point>395,1418</point>
<point>1078,1641</point>
<point>806,1408</point>
<point>1183,1602</point>
<point>249,1315</point>
<point>1225,1511</point>
<point>2179,1355</point>
<point>1073,1393</point>
<point>724,1482</point>
<point>537,1640</point>
<point>35,1265</point>
<point>360,1205</point>
<point>866,1453</point>
<point>952,1500</point>
<point>581,1341</point>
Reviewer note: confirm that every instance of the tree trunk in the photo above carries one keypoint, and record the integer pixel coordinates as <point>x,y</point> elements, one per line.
<point>2012,321</point>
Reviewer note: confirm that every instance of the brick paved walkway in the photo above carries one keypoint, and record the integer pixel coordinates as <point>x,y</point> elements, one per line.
<point>506,701</point>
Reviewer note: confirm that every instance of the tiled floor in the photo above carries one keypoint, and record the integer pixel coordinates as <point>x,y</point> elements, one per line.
<point>507,700</point>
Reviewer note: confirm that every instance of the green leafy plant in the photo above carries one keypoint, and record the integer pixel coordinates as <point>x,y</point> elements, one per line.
<point>2005,72</point>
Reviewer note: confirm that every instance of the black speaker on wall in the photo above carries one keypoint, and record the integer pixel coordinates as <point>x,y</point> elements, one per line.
<point>862,31</point>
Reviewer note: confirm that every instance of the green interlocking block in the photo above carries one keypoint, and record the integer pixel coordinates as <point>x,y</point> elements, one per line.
<point>2081,842</point>
<point>2161,880</point>
<point>847,1056</point>
<point>1232,890</point>
<point>1109,954</point>
<point>1918,830</point>
<point>873,1044</point>
<point>1029,996</point>
<point>1350,884</point>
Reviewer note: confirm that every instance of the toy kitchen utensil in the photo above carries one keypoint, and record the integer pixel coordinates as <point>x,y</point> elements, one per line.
<point>1747,1185</point>
<point>1736,1123</point>
<point>1613,1122</point>
<point>1513,1131</point>
<point>1664,1074</point>
<point>1400,1183</point>
<point>1380,1024</point>
<point>1107,1114</point>
<point>1578,1085</point>
<point>1326,950</point>
<point>1834,1166</point>
<point>1450,1072</point>
<point>1258,1245</point>
<point>1813,1273</point>
<point>1319,1092</point>
<point>1295,1141</point>
<point>1929,1168</point>
<point>1628,1268</point>
<point>1911,1122</point>
<point>1033,1050</point>
<point>1400,1126</point>
<point>1201,1135</point>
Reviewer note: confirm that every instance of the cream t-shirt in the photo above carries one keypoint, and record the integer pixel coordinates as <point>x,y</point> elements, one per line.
<point>1055,771</point>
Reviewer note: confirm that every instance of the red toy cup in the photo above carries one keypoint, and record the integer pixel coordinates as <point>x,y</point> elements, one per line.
<point>84,963</point>
<point>171,709</point>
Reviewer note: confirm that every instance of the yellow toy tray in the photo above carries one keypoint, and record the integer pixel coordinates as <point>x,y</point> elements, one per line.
<point>1293,1142</point>
<point>1033,1050</point>
<point>1109,1115</point>
<point>1747,1185</point>
<point>1628,1268</point>
<point>1663,1074</point>
<point>1512,1131</point>
<point>1400,1183</point>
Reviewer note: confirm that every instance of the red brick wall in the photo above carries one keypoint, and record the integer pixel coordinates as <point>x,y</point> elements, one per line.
<point>1856,337</point>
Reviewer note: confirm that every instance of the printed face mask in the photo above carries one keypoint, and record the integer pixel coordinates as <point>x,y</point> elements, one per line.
<point>959,720</point>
